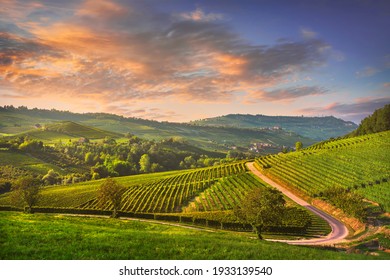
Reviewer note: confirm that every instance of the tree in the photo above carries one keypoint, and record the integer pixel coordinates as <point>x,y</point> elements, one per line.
<point>51,177</point>
<point>261,208</point>
<point>100,169</point>
<point>144,163</point>
<point>377,122</point>
<point>89,158</point>
<point>111,191</point>
<point>31,145</point>
<point>350,202</point>
<point>123,168</point>
<point>298,146</point>
<point>26,192</point>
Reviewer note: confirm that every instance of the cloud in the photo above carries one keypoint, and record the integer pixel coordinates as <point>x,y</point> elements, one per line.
<point>367,72</point>
<point>101,9</point>
<point>120,51</point>
<point>199,15</point>
<point>285,94</point>
<point>356,111</point>
<point>308,33</point>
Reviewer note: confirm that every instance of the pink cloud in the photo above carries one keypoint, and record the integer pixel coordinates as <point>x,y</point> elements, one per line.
<point>199,15</point>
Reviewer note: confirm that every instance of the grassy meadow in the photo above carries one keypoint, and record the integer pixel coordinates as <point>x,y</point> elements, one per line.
<point>60,237</point>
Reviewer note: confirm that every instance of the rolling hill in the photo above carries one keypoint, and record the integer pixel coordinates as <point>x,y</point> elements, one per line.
<point>64,130</point>
<point>358,165</point>
<point>14,121</point>
<point>198,195</point>
<point>318,128</point>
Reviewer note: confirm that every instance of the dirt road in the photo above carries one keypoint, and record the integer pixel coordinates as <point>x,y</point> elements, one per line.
<point>339,230</point>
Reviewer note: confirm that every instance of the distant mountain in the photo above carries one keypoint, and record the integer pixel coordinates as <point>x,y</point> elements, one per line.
<point>318,128</point>
<point>377,122</point>
<point>269,140</point>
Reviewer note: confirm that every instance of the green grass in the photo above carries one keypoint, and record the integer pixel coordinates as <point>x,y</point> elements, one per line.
<point>59,237</point>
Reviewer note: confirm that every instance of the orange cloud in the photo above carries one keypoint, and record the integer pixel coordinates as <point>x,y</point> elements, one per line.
<point>101,9</point>
<point>227,64</point>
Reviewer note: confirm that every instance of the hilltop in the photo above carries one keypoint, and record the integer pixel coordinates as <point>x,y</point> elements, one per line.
<point>64,130</point>
<point>318,128</point>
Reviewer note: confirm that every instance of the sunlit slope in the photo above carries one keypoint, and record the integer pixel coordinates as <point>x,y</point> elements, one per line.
<point>27,162</point>
<point>22,121</point>
<point>360,164</point>
<point>67,129</point>
<point>149,193</point>
<point>205,193</point>
<point>206,137</point>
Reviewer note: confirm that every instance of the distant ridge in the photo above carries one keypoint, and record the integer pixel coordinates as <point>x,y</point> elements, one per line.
<point>318,128</point>
<point>21,120</point>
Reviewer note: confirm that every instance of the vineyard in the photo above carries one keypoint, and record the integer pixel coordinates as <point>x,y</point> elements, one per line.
<point>205,196</point>
<point>148,193</point>
<point>360,164</point>
<point>171,193</point>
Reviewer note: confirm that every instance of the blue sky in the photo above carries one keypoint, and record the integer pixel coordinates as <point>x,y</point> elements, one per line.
<point>184,60</point>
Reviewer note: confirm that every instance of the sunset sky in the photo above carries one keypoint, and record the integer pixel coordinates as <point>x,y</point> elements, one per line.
<point>179,60</point>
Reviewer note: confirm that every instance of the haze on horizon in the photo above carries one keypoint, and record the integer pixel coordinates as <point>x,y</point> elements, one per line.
<point>185,60</point>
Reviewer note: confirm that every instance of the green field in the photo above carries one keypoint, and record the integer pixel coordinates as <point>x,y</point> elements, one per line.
<point>59,237</point>
<point>26,162</point>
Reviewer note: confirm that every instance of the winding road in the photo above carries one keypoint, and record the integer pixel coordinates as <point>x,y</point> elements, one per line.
<point>339,230</point>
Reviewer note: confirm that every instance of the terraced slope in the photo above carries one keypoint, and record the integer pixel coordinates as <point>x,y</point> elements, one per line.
<point>199,194</point>
<point>148,193</point>
<point>361,164</point>
<point>171,193</point>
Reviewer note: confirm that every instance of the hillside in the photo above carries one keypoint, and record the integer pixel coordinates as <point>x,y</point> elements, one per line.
<point>207,196</point>
<point>65,130</point>
<point>318,128</point>
<point>193,196</point>
<point>358,165</point>
<point>20,120</point>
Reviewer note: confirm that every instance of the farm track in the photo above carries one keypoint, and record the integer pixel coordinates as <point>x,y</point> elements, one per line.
<point>339,230</point>
<point>144,221</point>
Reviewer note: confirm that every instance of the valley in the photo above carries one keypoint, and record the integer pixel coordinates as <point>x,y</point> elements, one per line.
<point>336,190</point>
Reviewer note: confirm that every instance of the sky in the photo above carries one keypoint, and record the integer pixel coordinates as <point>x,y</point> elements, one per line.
<point>177,60</point>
